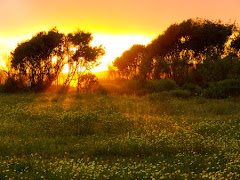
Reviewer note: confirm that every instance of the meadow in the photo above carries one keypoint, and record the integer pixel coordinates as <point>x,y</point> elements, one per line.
<point>101,136</point>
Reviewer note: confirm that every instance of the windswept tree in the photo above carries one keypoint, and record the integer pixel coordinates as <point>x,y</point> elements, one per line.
<point>179,51</point>
<point>41,59</point>
<point>81,56</point>
<point>200,36</point>
<point>33,59</point>
<point>128,63</point>
<point>190,42</point>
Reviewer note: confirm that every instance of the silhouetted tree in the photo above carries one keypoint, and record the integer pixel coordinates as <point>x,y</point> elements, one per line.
<point>161,68</point>
<point>188,43</point>
<point>145,67</point>
<point>128,63</point>
<point>199,36</point>
<point>41,59</point>
<point>81,55</point>
<point>188,51</point>
<point>236,43</point>
<point>33,59</point>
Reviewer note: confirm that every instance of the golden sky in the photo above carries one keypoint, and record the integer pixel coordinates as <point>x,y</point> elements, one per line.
<point>117,24</point>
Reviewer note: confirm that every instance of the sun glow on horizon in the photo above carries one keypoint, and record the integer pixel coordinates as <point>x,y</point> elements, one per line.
<point>117,25</point>
<point>114,46</point>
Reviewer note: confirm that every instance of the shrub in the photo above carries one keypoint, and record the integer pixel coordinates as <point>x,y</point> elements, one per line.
<point>214,91</point>
<point>194,89</point>
<point>2,89</point>
<point>161,85</point>
<point>88,83</point>
<point>11,86</point>
<point>110,88</point>
<point>223,89</point>
<point>181,93</point>
<point>140,87</point>
<point>133,85</point>
<point>101,90</point>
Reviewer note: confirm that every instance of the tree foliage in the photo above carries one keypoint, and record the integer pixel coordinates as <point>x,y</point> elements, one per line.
<point>129,62</point>
<point>81,55</point>
<point>236,43</point>
<point>32,59</point>
<point>189,52</point>
<point>41,59</point>
<point>199,36</point>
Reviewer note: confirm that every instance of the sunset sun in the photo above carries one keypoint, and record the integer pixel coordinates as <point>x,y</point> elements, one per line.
<point>115,45</point>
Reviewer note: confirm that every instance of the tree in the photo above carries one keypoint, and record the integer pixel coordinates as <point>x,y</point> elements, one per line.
<point>81,55</point>
<point>161,68</point>
<point>41,59</point>
<point>236,43</point>
<point>33,59</point>
<point>198,35</point>
<point>128,63</point>
<point>181,46</point>
<point>145,66</point>
<point>188,43</point>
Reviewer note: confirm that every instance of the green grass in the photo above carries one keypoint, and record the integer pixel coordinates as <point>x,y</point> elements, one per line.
<point>87,136</point>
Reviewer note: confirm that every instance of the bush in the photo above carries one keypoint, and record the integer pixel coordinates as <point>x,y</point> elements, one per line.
<point>101,90</point>
<point>140,87</point>
<point>161,85</point>
<point>11,86</point>
<point>2,89</point>
<point>193,88</point>
<point>223,89</point>
<point>88,83</point>
<point>111,88</point>
<point>134,85</point>
<point>181,93</point>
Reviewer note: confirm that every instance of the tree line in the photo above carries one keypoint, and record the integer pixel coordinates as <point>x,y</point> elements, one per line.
<point>193,51</point>
<point>194,54</point>
<point>38,61</point>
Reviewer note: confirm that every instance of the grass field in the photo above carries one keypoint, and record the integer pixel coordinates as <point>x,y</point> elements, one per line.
<point>92,136</point>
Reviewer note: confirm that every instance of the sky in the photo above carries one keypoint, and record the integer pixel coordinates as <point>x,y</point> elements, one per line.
<point>117,24</point>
